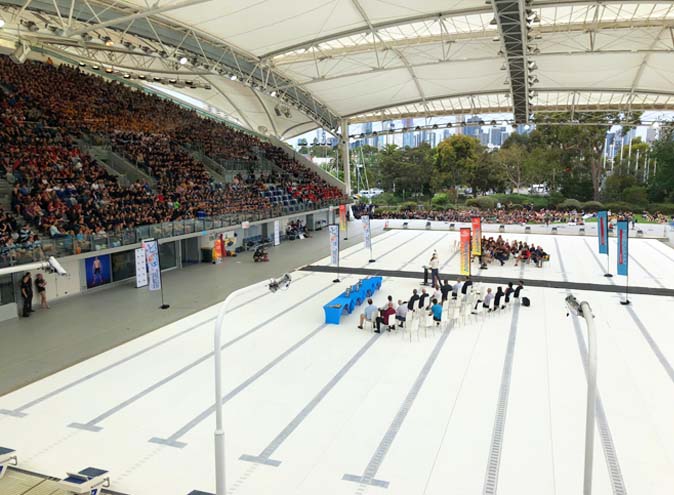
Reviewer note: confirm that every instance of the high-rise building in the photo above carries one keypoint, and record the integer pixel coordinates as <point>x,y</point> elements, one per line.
<point>497,136</point>
<point>458,129</point>
<point>651,134</point>
<point>408,136</point>
<point>472,127</point>
<point>446,134</point>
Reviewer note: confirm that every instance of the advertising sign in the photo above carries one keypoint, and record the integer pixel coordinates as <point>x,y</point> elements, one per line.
<point>277,232</point>
<point>367,237</point>
<point>477,236</point>
<point>334,244</point>
<point>342,218</point>
<point>98,271</point>
<point>623,244</point>
<point>151,248</point>
<point>464,249</point>
<point>602,231</point>
<point>141,267</point>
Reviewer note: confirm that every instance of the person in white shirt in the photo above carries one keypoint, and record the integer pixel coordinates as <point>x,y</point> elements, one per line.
<point>401,312</point>
<point>456,288</point>
<point>435,269</point>
<point>486,302</point>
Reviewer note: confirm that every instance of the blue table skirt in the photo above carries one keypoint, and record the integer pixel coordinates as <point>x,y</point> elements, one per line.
<point>345,304</point>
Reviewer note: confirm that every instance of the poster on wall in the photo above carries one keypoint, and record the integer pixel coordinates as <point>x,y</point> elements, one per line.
<point>464,249</point>
<point>602,231</point>
<point>334,244</point>
<point>477,236</point>
<point>277,232</point>
<point>98,271</point>
<point>151,248</point>
<point>623,248</point>
<point>141,268</point>
<point>342,218</point>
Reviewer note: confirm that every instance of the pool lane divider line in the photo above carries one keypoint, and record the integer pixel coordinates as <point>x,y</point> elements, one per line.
<point>369,474</point>
<point>93,424</point>
<point>605,435</point>
<point>264,457</point>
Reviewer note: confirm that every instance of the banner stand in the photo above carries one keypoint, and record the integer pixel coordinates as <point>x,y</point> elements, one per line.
<point>623,256</point>
<point>334,248</point>
<point>367,235</point>
<point>151,247</point>
<point>608,266</point>
<point>626,301</point>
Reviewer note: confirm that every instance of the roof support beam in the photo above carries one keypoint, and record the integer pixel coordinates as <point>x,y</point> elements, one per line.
<point>142,14</point>
<point>512,25</point>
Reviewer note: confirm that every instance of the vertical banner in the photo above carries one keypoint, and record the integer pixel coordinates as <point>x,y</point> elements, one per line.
<point>367,238</point>
<point>334,244</point>
<point>477,236</point>
<point>623,251</point>
<point>602,231</point>
<point>342,218</point>
<point>464,249</point>
<point>277,232</point>
<point>151,248</point>
<point>141,268</point>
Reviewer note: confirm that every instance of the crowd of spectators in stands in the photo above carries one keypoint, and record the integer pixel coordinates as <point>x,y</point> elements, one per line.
<point>60,190</point>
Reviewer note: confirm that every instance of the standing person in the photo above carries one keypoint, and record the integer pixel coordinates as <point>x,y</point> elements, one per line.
<point>27,294</point>
<point>435,269</point>
<point>41,286</point>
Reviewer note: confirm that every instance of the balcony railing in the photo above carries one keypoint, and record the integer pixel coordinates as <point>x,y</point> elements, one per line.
<point>71,245</point>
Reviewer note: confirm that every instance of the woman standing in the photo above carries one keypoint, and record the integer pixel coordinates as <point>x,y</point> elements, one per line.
<point>41,286</point>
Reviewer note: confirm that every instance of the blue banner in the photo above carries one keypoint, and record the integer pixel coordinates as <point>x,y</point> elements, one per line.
<point>334,244</point>
<point>623,243</point>
<point>151,248</point>
<point>602,231</point>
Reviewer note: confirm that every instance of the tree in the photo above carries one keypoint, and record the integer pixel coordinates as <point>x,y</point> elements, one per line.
<point>511,162</point>
<point>456,156</point>
<point>661,183</point>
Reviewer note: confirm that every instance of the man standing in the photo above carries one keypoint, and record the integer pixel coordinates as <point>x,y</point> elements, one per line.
<point>435,269</point>
<point>27,294</point>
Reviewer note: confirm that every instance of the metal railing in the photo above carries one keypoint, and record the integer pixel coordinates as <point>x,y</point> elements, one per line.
<point>68,245</point>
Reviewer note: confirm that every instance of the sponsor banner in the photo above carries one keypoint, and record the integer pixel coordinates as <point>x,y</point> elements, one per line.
<point>367,237</point>
<point>342,218</point>
<point>277,232</point>
<point>476,245</point>
<point>464,248</point>
<point>334,244</point>
<point>141,268</point>
<point>602,231</point>
<point>623,247</point>
<point>151,248</point>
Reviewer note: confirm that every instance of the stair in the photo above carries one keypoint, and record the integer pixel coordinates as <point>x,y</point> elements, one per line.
<point>116,164</point>
<point>214,169</point>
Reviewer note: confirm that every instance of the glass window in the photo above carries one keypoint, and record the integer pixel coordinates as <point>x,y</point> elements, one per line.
<point>167,255</point>
<point>6,290</point>
<point>123,265</point>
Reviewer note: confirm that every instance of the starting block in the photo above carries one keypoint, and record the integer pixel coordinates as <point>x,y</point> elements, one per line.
<point>7,458</point>
<point>452,226</point>
<point>554,230</point>
<point>405,225</point>
<point>640,233</point>
<point>88,481</point>
<point>428,225</point>
<point>527,229</point>
<point>197,492</point>
<point>581,231</point>
<point>501,228</point>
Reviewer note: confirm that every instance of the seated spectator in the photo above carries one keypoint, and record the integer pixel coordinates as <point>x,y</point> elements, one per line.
<point>436,311</point>
<point>486,301</point>
<point>386,313</point>
<point>401,312</point>
<point>369,313</point>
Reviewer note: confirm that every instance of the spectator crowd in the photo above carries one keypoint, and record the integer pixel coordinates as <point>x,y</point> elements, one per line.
<point>60,190</point>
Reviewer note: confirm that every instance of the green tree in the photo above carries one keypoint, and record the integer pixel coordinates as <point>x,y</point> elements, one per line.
<point>456,157</point>
<point>661,183</point>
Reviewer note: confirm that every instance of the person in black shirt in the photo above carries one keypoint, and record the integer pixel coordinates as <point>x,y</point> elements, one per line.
<point>508,292</point>
<point>413,300</point>
<point>497,298</point>
<point>466,284</point>
<point>27,294</point>
<point>446,290</point>
<point>41,286</point>
<point>422,299</point>
<point>520,286</point>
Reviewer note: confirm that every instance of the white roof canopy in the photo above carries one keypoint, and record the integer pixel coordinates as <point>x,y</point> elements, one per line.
<point>299,64</point>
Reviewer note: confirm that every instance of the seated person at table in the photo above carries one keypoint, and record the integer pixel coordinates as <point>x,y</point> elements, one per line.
<point>369,313</point>
<point>384,318</point>
<point>413,300</point>
<point>401,312</point>
<point>436,311</point>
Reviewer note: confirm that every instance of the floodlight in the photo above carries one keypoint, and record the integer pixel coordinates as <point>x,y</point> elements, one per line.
<point>182,60</point>
<point>2,23</point>
<point>233,77</point>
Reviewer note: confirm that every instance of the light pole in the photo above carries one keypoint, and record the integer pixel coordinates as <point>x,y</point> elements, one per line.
<point>273,285</point>
<point>583,309</point>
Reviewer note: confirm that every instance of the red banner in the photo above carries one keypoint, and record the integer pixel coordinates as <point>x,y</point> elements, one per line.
<point>342,218</point>
<point>464,248</point>
<point>477,236</point>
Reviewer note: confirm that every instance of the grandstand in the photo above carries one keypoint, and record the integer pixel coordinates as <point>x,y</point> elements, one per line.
<point>190,305</point>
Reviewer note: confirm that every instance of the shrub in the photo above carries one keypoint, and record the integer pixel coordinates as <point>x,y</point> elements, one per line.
<point>570,204</point>
<point>440,200</point>
<point>637,195</point>
<point>555,199</point>
<point>664,208</point>
<point>483,202</point>
<point>386,199</point>
<point>617,206</point>
<point>408,205</point>
<point>593,206</point>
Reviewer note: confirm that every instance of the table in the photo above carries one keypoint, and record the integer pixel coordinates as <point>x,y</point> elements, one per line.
<point>344,303</point>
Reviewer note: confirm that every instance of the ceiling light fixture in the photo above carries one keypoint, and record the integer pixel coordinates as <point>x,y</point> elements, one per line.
<point>182,60</point>
<point>2,23</point>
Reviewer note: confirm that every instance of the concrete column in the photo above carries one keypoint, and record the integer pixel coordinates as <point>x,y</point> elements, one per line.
<point>344,126</point>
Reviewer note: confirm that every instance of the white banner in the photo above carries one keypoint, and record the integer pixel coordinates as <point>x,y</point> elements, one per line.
<point>151,248</point>
<point>141,268</point>
<point>277,232</point>
<point>334,244</point>
<point>367,238</point>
